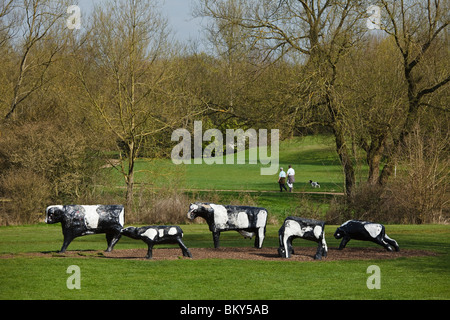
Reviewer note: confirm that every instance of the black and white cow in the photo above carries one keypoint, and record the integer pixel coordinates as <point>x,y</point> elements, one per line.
<point>152,235</point>
<point>309,229</point>
<point>80,220</point>
<point>248,221</point>
<point>366,231</point>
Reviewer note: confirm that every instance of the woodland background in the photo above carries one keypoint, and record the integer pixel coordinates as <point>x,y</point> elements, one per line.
<point>74,101</point>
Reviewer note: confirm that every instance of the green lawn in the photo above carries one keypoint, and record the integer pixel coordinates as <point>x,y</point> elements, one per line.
<point>24,277</point>
<point>312,157</point>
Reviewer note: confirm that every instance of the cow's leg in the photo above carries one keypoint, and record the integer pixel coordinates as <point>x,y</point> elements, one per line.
<point>318,255</point>
<point>150,250</point>
<point>324,246</point>
<point>344,242</point>
<point>392,242</point>
<point>112,238</point>
<point>68,237</point>
<point>282,247</point>
<point>259,239</point>
<point>287,242</point>
<point>290,246</point>
<point>216,236</point>
<point>380,240</point>
<point>184,249</point>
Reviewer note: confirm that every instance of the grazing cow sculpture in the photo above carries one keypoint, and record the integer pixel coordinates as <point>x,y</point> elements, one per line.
<point>366,231</point>
<point>80,220</point>
<point>309,229</point>
<point>248,221</point>
<point>152,235</point>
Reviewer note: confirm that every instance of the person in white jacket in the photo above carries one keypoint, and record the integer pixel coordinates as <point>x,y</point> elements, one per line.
<point>290,178</point>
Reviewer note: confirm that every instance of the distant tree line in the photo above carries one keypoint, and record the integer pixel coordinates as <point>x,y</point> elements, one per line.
<point>74,100</point>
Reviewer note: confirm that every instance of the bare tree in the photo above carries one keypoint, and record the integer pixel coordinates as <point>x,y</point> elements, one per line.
<point>320,32</point>
<point>420,31</point>
<point>127,78</point>
<point>6,21</point>
<point>372,92</point>
<point>35,22</point>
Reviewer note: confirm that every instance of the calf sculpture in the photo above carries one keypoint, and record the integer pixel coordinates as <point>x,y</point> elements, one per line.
<point>152,235</point>
<point>308,229</point>
<point>79,220</point>
<point>248,221</point>
<point>366,231</point>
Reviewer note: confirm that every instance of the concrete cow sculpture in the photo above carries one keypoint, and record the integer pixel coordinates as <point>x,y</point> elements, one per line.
<point>309,229</point>
<point>248,221</point>
<point>366,231</point>
<point>79,220</point>
<point>152,235</point>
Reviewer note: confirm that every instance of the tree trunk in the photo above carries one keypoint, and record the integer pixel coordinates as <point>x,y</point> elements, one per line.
<point>129,195</point>
<point>411,119</point>
<point>129,179</point>
<point>374,168</point>
<point>346,161</point>
<point>374,154</point>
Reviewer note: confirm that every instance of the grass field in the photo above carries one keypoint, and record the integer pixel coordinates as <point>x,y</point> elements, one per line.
<point>312,157</point>
<point>27,277</point>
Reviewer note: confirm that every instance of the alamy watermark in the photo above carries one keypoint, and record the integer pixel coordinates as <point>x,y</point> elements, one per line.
<point>234,138</point>
<point>74,20</point>
<point>374,280</point>
<point>74,280</point>
<point>374,20</point>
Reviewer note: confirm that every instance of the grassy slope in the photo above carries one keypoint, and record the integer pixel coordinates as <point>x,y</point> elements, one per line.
<point>312,158</point>
<point>43,278</point>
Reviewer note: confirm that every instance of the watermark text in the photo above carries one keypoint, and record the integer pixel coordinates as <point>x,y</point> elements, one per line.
<point>374,280</point>
<point>74,280</point>
<point>234,138</point>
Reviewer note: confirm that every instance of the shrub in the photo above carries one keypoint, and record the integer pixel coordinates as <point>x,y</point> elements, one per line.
<point>28,193</point>
<point>419,191</point>
<point>159,207</point>
<point>42,163</point>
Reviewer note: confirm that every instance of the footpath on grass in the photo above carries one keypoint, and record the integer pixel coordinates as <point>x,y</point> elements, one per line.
<point>248,191</point>
<point>267,191</point>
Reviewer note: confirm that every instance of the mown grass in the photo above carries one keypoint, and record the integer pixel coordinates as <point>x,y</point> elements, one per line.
<point>313,157</point>
<point>25,277</point>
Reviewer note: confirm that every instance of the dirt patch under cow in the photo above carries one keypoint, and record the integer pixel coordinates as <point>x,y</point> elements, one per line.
<point>268,254</point>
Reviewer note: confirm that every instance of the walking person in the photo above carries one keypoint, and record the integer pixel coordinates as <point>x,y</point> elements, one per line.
<point>282,180</point>
<point>290,178</point>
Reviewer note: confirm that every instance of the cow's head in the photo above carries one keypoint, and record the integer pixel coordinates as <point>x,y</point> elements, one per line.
<point>199,209</point>
<point>339,233</point>
<point>54,214</point>
<point>131,232</point>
